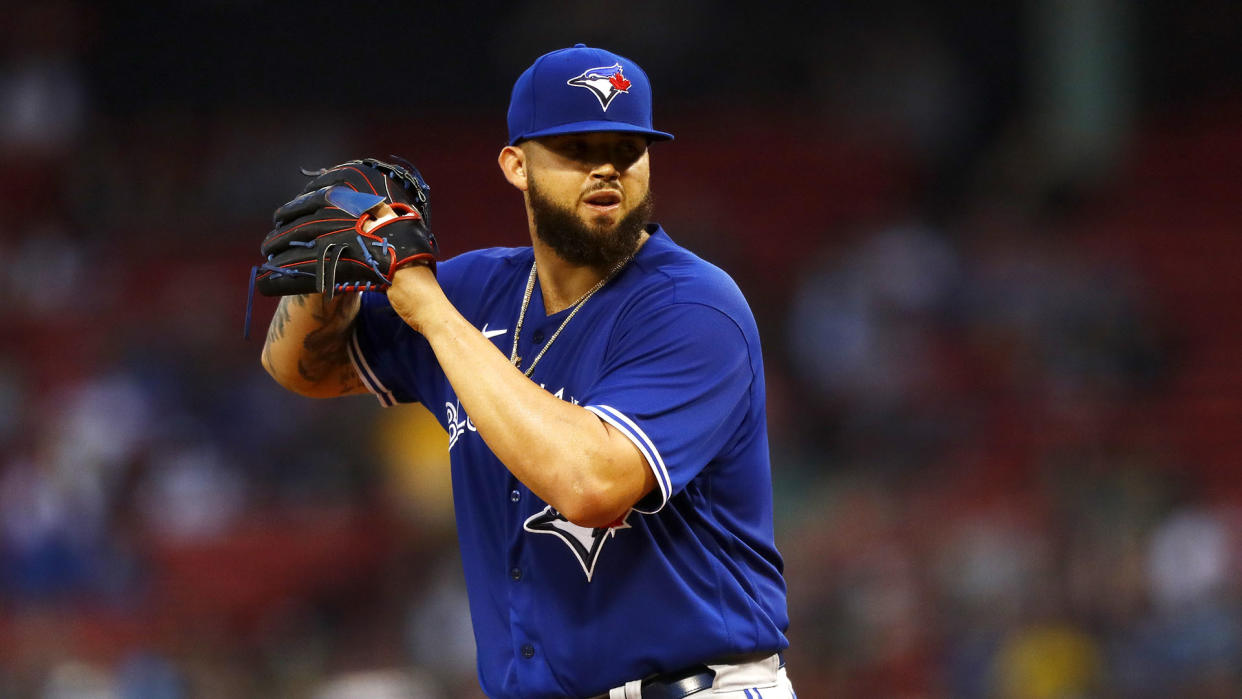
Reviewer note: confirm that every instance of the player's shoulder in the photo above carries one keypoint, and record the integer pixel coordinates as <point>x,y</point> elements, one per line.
<point>482,264</point>
<point>676,275</point>
<point>490,257</point>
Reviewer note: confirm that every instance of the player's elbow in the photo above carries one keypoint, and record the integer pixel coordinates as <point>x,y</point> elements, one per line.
<point>280,377</point>
<point>290,380</point>
<point>598,501</point>
<point>607,481</point>
<point>594,510</point>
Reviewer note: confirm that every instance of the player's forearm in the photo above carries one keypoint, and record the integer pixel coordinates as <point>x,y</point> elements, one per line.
<point>306,350</point>
<point>562,452</point>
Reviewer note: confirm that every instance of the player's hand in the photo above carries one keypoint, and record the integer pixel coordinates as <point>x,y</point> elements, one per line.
<point>351,228</point>
<point>416,296</point>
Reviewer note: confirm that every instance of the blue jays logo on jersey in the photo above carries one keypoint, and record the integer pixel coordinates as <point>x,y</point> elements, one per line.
<point>584,542</point>
<point>605,83</point>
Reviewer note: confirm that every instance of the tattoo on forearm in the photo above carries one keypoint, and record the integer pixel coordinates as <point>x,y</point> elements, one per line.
<point>324,355</point>
<point>326,350</point>
<point>350,382</point>
<point>276,329</point>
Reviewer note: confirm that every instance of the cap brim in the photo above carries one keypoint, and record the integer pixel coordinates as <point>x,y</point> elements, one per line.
<point>592,127</point>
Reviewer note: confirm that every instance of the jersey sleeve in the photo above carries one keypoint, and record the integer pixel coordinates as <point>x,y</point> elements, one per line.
<point>677,385</point>
<point>392,360</point>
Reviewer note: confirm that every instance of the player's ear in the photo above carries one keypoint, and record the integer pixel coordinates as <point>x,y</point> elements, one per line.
<point>513,164</point>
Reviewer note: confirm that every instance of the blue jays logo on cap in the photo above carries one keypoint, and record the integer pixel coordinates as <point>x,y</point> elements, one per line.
<point>548,98</point>
<point>605,83</point>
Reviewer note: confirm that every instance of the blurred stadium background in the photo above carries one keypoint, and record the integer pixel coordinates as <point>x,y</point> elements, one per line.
<point>993,249</point>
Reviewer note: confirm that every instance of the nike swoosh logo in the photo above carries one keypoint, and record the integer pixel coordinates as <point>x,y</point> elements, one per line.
<point>489,334</point>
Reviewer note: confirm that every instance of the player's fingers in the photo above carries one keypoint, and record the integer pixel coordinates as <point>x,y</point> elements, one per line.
<point>287,274</point>
<point>354,175</point>
<point>301,205</point>
<point>341,197</point>
<point>302,232</point>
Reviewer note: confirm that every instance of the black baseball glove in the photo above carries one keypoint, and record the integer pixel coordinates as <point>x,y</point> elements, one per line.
<point>326,239</point>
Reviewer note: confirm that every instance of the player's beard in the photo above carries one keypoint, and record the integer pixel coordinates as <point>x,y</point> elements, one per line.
<point>600,246</point>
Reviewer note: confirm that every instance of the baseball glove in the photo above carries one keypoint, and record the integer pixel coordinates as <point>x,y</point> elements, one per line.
<point>327,239</point>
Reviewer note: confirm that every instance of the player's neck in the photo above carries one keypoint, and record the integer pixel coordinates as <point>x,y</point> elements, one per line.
<point>562,283</point>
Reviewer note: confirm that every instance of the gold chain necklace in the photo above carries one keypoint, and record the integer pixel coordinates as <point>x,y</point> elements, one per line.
<point>530,288</point>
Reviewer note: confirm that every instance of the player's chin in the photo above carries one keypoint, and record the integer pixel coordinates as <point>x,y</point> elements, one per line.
<point>603,223</point>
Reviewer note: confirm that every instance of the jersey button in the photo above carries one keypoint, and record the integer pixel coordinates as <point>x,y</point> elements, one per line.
<point>515,574</point>
<point>515,496</point>
<point>537,338</point>
<point>528,651</point>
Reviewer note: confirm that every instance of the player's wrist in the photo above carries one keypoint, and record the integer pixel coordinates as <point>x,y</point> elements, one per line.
<point>344,306</point>
<point>416,296</point>
<point>339,311</point>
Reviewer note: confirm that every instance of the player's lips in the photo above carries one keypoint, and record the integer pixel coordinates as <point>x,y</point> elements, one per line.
<point>603,199</point>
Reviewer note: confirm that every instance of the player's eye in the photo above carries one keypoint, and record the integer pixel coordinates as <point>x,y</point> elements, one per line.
<point>630,151</point>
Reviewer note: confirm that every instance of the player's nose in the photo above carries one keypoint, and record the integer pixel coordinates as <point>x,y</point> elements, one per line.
<point>605,170</point>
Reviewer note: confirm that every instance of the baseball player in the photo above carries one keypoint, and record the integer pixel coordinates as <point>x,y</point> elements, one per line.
<point>602,389</point>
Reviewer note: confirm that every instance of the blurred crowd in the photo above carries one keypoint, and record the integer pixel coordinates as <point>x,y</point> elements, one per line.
<point>1001,437</point>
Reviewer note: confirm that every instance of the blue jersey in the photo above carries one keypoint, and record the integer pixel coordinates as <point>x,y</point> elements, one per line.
<point>667,353</point>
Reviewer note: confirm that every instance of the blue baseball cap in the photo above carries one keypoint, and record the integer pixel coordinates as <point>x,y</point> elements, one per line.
<point>579,90</point>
